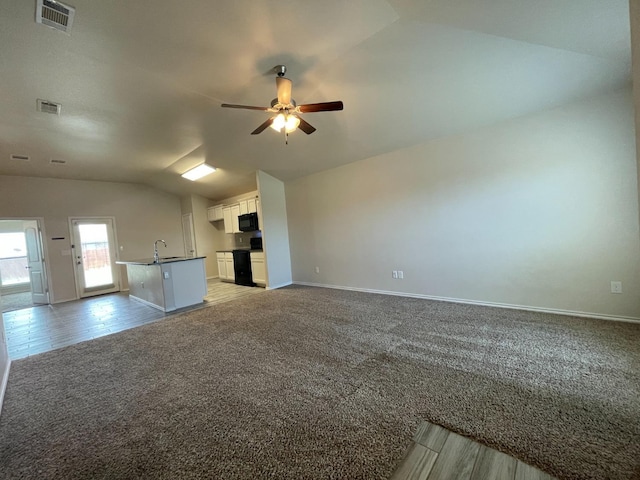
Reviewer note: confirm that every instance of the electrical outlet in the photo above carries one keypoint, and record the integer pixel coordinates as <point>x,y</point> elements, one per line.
<point>317,269</point>
<point>400,274</point>
<point>616,287</point>
<point>394,274</point>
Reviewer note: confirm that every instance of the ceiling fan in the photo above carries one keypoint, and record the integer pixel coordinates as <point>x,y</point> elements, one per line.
<point>287,113</point>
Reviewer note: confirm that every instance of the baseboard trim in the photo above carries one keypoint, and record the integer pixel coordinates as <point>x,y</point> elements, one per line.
<point>554,311</point>
<point>273,287</point>
<point>3,385</point>
<point>64,301</point>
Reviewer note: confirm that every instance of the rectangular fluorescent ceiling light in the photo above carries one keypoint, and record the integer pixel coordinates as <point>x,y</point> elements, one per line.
<point>200,171</point>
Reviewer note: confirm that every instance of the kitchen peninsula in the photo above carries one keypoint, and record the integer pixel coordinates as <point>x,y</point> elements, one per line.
<point>167,283</point>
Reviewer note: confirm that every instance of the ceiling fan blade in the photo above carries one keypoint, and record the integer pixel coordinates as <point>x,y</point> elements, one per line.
<point>321,107</point>
<point>246,107</point>
<point>263,126</point>
<point>306,127</point>
<point>284,90</point>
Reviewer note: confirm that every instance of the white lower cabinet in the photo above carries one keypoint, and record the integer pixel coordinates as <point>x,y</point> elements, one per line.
<point>222,266</point>
<point>258,270</point>
<point>228,260</point>
<point>225,266</point>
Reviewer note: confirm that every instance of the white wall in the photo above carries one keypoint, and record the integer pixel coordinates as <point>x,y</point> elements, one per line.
<point>634,16</point>
<point>538,212</point>
<point>4,361</point>
<point>205,231</point>
<point>142,215</point>
<point>275,233</point>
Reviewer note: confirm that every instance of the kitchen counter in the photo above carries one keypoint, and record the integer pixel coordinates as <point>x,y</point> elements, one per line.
<point>243,249</point>
<point>170,284</point>
<point>150,261</point>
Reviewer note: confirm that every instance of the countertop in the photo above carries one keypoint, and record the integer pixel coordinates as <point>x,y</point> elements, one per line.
<point>243,249</point>
<point>149,261</point>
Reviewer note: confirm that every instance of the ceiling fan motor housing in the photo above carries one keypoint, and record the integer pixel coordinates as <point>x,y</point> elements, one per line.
<point>280,70</point>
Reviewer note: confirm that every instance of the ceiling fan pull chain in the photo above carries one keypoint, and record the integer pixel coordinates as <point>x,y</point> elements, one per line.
<point>286,137</point>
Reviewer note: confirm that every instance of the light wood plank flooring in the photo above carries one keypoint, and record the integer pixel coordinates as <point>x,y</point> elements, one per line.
<point>43,328</point>
<point>438,454</point>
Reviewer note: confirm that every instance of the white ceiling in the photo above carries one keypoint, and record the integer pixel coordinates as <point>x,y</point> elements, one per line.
<point>141,82</point>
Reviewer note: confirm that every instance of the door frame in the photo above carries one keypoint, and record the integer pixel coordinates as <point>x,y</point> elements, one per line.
<point>45,250</point>
<point>116,250</point>
<point>192,233</point>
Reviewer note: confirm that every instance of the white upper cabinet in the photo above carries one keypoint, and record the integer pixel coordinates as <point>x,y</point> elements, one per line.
<point>235,211</point>
<point>230,213</point>
<point>228,225</point>
<point>215,213</point>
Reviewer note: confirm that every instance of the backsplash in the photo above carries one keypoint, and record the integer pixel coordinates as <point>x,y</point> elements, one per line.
<point>239,240</point>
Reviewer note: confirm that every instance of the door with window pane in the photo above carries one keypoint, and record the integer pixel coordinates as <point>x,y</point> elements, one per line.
<point>94,255</point>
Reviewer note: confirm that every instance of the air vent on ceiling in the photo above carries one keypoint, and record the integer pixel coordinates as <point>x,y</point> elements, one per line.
<point>56,161</point>
<point>24,158</point>
<point>47,106</point>
<point>55,14</point>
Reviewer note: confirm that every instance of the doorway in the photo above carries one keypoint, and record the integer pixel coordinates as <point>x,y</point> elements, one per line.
<point>23,278</point>
<point>93,243</point>
<point>189,235</point>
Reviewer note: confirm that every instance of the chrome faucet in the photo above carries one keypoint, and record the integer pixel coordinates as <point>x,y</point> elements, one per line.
<point>156,257</point>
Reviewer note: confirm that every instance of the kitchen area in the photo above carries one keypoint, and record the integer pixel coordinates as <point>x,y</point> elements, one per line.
<point>237,246</point>
<point>241,264</point>
<point>169,283</point>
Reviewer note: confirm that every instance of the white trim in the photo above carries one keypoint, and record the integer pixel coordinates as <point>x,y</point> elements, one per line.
<point>5,381</point>
<point>64,301</point>
<point>273,287</point>
<point>146,302</point>
<point>554,311</point>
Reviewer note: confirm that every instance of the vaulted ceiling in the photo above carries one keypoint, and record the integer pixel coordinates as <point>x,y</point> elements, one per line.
<point>141,82</point>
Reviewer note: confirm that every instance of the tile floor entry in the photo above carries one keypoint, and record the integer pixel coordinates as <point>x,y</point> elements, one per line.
<point>43,328</point>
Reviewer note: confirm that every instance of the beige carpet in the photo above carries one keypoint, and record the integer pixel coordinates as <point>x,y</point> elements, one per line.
<point>312,383</point>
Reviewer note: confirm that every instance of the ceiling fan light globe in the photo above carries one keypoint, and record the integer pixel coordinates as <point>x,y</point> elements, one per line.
<point>278,122</point>
<point>291,123</point>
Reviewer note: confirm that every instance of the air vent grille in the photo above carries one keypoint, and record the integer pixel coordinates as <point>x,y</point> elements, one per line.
<point>23,158</point>
<point>55,161</point>
<point>54,14</point>
<point>47,106</point>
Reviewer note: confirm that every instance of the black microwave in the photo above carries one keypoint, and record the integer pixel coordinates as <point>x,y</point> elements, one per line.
<point>248,222</point>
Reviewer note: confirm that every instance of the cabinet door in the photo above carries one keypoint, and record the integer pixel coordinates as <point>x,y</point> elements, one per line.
<point>228,221</point>
<point>222,269</point>
<point>258,271</point>
<point>230,272</point>
<point>235,211</point>
<point>243,207</point>
<point>211,216</point>
<point>217,212</point>
<point>251,206</point>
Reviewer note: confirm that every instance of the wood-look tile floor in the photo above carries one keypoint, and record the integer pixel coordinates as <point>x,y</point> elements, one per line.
<point>438,454</point>
<point>43,328</point>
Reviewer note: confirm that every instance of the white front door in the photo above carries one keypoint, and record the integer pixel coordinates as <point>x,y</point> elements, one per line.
<point>94,255</point>
<point>189,235</point>
<point>35,265</point>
